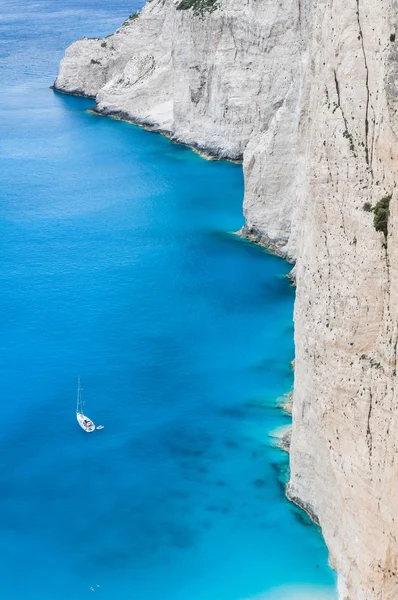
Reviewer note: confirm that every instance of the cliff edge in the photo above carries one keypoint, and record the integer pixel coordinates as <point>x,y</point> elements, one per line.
<point>212,75</point>
<point>305,92</point>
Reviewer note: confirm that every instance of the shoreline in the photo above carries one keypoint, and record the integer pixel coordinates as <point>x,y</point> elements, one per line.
<point>282,436</point>
<point>252,236</point>
<point>307,508</point>
<point>204,152</point>
<point>77,93</point>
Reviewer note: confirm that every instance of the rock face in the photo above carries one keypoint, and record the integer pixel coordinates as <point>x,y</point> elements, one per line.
<point>212,80</point>
<point>344,461</point>
<point>307,92</point>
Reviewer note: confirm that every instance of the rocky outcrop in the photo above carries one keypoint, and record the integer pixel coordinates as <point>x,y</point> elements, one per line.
<point>213,80</point>
<point>306,92</point>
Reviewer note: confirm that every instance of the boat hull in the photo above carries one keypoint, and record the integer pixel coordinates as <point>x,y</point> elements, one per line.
<point>85,423</point>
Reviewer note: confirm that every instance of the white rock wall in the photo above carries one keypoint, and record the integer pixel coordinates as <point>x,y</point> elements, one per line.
<point>272,170</point>
<point>345,438</point>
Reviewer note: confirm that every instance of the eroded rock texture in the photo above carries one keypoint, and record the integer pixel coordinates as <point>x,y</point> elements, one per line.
<point>344,448</point>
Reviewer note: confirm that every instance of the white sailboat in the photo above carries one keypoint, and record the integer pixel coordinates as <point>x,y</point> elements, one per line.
<point>84,422</point>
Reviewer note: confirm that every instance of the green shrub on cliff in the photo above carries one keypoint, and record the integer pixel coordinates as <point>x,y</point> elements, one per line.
<point>135,15</point>
<point>199,6</point>
<point>381,213</point>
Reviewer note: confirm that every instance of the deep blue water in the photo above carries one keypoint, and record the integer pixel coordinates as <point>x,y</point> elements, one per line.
<point>117,263</point>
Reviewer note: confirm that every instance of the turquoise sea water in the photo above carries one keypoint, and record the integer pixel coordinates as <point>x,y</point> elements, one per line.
<point>117,264</point>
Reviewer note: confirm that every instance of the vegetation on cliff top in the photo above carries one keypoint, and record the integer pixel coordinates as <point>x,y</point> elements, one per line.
<point>199,6</point>
<point>133,16</point>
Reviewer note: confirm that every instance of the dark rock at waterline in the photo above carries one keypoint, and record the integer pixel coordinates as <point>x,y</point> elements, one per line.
<point>212,153</point>
<point>76,92</point>
<point>259,237</point>
<point>285,441</point>
<point>302,517</point>
<point>281,470</point>
<point>305,506</point>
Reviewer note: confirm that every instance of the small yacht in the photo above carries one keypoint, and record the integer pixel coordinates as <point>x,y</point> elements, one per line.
<point>84,422</point>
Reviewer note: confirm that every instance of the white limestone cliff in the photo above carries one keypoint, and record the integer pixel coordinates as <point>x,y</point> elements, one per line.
<point>344,462</point>
<point>210,80</point>
<point>307,92</point>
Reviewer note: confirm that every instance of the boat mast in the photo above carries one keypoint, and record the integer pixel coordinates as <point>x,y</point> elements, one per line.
<point>79,396</point>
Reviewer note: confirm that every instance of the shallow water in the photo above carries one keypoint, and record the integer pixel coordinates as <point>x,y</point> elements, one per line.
<point>118,264</point>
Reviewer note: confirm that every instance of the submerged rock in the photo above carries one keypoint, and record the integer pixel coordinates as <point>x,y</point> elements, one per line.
<point>285,441</point>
